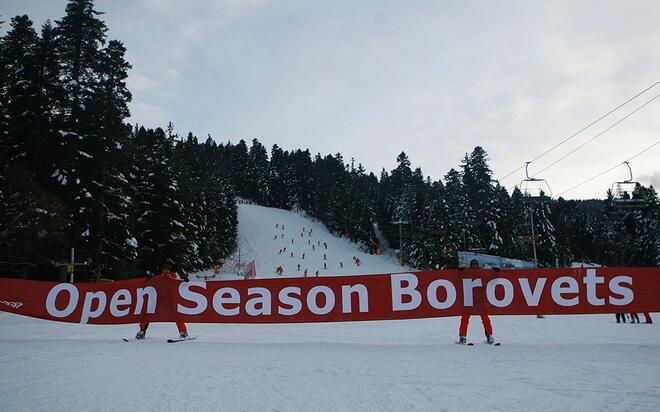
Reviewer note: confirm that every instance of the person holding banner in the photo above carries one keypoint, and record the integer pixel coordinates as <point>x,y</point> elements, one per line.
<point>465,319</point>
<point>165,273</point>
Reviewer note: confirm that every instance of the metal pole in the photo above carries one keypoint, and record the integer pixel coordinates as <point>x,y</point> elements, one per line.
<point>400,245</point>
<point>73,253</point>
<point>531,216</point>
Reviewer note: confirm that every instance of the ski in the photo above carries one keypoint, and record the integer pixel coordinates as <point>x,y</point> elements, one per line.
<point>465,344</point>
<point>181,339</point>
<point>493,344</point>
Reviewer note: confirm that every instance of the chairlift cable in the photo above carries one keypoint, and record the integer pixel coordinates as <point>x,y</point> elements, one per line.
<point>583,129</point>
<point>610,169</point>
<point>599,134</point>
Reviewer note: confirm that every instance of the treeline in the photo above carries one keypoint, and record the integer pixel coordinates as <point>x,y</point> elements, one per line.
<point>75,175</point>
<point>467,210</point>
<point>128,198</point>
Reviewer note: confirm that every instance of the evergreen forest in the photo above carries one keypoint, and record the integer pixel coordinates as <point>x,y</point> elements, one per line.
<point>75,174</point>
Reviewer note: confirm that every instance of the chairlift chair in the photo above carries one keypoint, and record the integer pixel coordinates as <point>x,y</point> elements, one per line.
<point>627,194</point>
<point>534,189</point>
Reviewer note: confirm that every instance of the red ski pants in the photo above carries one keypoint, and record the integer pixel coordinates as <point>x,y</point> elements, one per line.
<point>180,325</point>
<point>465,320</point>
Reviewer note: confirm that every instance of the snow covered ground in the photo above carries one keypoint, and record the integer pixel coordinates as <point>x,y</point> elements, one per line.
<point>567,363</point>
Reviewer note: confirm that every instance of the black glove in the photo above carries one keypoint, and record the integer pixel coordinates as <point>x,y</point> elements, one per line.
<point>185,278</point>
<point>461,268</point>
<point>496,269</point>
<point>150,275</point>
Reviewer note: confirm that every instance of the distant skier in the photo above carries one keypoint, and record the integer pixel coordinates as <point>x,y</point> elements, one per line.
<point>280,252</point>
<point>465,319</point>
<point>324,257</point>
<point>292,240</point>
<point>305,273</point>
<point>279,270</point>
<point>325,245</point>
<point>298,267</point>
<point>275,238</point>
<point>277,225</point>
<point>309,242</point>
<point>317,273</point>
<point>291,254</point>
<point>303,256</point>
<point>325,266</point>
<point>341,264</point>
<point>165,273</point>
<point>313,248</point>
<point>284,249</point>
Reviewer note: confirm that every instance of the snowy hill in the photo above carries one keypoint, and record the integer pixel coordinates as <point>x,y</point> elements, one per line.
<point>559,363</point>
<point>275,237</point>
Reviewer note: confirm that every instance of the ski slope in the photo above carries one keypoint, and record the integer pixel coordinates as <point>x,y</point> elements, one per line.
<point>560,363</point>
<point>275,237</point>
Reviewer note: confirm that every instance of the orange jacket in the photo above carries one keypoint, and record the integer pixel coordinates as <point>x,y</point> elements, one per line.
<point>171,275</point>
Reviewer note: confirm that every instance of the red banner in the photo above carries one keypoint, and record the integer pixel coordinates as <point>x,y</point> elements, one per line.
<point>341,298</point>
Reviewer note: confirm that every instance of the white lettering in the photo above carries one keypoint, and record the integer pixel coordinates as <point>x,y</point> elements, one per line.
<point>558,290</point>
<point>627,295</point>
<point>120,298</point>
<point>219,300</point>
<point>432,294</point>
<point>149,292</point>
<point>468,286</point>
<point>591,280</point>
<point>200,300</point>
<point>532,297</point>
<point>329,300</point>
<point>87,311</point>
<point>263,301</point>
<point>52,297</point>
<point>508,292</point>
<point>398,291</point>
<point>363,298</point>
<point>286,299</point>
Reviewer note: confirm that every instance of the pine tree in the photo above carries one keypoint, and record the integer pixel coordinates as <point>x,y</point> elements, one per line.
<point>477,178</point>
<point>159,227</point>
<point>546,245</point>
<point>461,216</point>
<point>239,166</point>
<point>280,181</point>
<point>21,95</point>
<point>257,174</point>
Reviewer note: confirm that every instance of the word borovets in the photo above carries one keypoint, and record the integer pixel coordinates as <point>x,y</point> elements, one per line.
<point>403,295</point>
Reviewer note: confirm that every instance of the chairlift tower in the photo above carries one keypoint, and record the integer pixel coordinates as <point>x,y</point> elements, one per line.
<point>536,191</point>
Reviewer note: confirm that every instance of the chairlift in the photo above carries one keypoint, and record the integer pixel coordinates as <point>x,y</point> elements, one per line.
<point>534,189</point>
<point>628,192</point>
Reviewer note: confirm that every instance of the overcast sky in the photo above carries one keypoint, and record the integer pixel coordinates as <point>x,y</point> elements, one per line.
<point>370,79</point>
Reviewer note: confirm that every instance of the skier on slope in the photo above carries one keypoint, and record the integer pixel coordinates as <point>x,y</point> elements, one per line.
<point>165,273</point>
<point>465,319</point>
